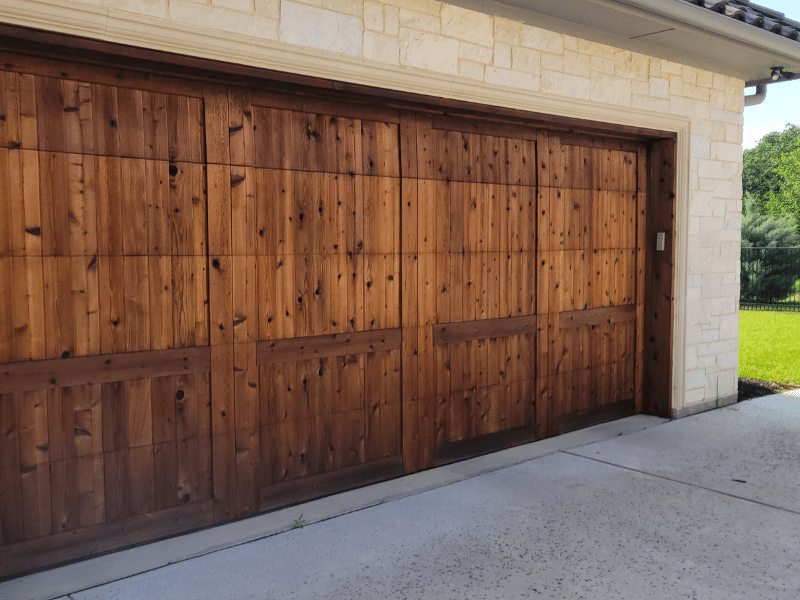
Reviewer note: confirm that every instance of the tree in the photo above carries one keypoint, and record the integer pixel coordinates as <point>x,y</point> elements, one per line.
<point>760,175</point>
<point>786,200</point>
<point>767,275</point>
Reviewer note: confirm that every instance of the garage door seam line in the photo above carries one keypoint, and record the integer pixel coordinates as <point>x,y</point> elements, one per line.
<point>695,485</point>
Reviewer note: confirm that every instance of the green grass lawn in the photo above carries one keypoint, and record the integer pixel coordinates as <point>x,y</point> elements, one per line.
<point>769,346</point>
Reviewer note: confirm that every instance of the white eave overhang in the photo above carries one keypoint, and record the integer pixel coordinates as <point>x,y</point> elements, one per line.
<point>670,29</point>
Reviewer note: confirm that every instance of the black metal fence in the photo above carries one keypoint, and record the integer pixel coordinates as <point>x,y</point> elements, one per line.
<point>770,279</point>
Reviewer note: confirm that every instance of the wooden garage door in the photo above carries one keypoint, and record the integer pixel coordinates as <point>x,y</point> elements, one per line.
<point>104,386</point>
<point>469,270</point>
<point>305,297</point>
<point>215,301</point>
<point>590,281</point>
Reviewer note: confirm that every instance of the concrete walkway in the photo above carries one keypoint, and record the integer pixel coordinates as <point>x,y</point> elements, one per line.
<point>704,507</point>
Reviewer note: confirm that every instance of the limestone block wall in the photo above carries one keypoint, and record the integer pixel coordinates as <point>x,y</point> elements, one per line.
<point>466,46</point>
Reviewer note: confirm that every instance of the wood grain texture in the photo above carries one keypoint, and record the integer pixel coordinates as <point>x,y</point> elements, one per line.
<point>486,329</point>
<point>61,547</point>
<point>57,373</point>
<point>596,316</point>
<point>325,346</point>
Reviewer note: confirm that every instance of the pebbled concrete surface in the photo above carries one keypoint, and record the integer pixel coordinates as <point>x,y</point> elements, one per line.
<point>653,513</point>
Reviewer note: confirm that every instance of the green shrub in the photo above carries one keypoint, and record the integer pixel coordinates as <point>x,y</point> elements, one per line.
<point>767,275</point>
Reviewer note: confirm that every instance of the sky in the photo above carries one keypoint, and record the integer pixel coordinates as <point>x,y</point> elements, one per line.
<point>782,105</point>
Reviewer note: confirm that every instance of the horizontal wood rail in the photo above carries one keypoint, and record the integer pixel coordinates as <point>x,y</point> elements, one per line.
<point>70,545</point>
<point>452,333</point>
<point>595,416</point>
<point>325,346</point>
<point>315,486</point>
<point>603,143</point>
<point>450,452</point>
<point>597,316</point>
<point>103,368</point>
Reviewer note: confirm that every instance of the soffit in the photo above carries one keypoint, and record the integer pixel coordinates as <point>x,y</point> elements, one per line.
<point>689,32</point>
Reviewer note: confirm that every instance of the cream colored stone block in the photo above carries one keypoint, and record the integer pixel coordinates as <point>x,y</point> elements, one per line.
<point>381,48</point>
<point>506,30</point>
<point>527,60</point>
<point>734,100</point>
<point>733,134</point>
<point>733,221</point>
<point>718,132</point>
<point>475,53</point>
<point>151,8</point>
<point>417,20</point>
<point>689,75</point>
<point>570,43</point>
<point>512,79</point>
<point>671,68</point>
<point>268,8</point>
<point>595,49</point>
<point>692,397</point>
<point>718,82</point>
<point>640,87</point>
<point>317,3</point>
<point>611,90</point>
<point>701,127</point>
<point>649,103</point>
<point>728,152</point>
<point>577,64</point>
<point>502,55</point>
<point>706,185</point>
<point>428,51</point>
<point>705,78</point>
<point>430,7</point>
<point>631,65</point>
<point>467,25</point>
<point>602,65</point>
<point>391,20</point>
<point>348,7</point>
<point>688,108</point>
<point>562,84</point>
<point>696,379</point>
<point>654,67</point>
<point>321,29</point>
<point>542,39</point>
<point>737,193</point>
<point>222,19</point>
<point>471,70</point>
<point>696,92</point>
<point>552,62</point>
<point>691,358</point>
<point>676,86</point>
<point>701,146</point>
<point>240,5</point>
<point>717,99</point>
<point>373,15</point>
<point>659,88</point>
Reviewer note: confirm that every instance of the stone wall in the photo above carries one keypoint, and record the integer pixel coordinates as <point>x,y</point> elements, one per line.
<point>423,35</point>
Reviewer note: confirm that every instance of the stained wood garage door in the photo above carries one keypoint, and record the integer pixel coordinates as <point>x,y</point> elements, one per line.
<point>215,301</point>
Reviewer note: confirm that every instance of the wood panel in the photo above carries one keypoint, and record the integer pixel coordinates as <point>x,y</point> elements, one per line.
<point>659,294</point>
<point>590,281</point>
<point>304,271</point>
<point>104,363</point>
<point>473,254</point>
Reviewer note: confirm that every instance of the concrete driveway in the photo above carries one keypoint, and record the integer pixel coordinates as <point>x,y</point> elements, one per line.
<point>704,507</point>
